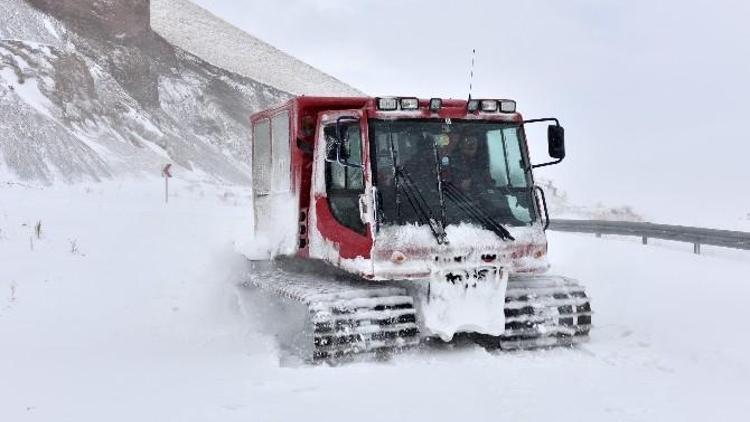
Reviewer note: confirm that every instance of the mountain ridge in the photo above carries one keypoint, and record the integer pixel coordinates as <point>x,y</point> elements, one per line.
<point>91,101</point>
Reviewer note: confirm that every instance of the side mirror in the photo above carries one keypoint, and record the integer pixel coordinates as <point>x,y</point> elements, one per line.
<point>556,140</point>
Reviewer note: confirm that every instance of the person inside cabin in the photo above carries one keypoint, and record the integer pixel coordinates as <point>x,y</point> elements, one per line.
<point>469,169</point>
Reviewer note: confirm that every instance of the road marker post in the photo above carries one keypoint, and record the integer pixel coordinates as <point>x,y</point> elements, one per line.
<point>167,174</point>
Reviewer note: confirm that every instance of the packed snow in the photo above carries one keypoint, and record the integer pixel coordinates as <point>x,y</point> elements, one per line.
<point>116,306</point>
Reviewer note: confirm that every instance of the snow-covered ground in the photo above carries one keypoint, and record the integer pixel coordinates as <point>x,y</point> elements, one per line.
<point>124,309</point>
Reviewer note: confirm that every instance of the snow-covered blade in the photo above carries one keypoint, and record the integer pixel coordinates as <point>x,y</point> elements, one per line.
<point>457,300</point>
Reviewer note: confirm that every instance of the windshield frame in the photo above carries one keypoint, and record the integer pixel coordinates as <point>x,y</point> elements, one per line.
<point>372,129</point>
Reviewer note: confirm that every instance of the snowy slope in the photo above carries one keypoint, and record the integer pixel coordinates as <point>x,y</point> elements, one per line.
<point>83,99</point>
<point>22,22</point>
<point>138,317</point>
<point>85,104</point>
<point>196,30</point>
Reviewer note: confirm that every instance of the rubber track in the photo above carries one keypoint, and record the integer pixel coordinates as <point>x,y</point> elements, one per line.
<point>346,318</point>
<point>544,311</point>
<point>349,318</point>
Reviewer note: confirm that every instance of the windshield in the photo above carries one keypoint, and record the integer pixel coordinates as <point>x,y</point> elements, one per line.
<point>464,171</point>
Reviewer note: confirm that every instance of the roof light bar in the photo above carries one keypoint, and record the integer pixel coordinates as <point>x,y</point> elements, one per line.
<point>409,103</point>
<point>436,104</point>
<point>489,105</point>
<point>507,106</point>
<point>387,104</point>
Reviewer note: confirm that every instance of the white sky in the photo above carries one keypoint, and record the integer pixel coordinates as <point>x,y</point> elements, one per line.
<point>653,94</point>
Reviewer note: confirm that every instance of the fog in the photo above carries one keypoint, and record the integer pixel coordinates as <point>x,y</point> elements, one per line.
<point>652,94</point>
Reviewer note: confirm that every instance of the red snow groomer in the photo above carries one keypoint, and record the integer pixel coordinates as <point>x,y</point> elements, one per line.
<point>388,220</point>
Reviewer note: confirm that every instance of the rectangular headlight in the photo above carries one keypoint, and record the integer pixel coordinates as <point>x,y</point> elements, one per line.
<point>387,104</point>
<point>507,106</point>
<point>473,105</point>
<point>409,104</point>
<point>489,105</point>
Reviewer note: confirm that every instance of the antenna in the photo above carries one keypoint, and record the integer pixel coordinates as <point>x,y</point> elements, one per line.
<point>471,73</point>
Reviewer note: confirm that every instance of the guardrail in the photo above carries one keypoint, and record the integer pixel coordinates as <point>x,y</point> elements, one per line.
<point>696,235</point>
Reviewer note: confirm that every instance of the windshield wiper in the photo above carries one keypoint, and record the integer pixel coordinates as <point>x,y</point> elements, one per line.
<point>403,182</point>
<point>419,204</point>
<point>475,211</point>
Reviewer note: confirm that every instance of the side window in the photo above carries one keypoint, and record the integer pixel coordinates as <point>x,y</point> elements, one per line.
<point>281,181</point>
<point>345,184</point>
<point>262,158</point>
<point>506,158</point>
<point>355,179</point>
<point>498,169</point>
<point>516,167</point>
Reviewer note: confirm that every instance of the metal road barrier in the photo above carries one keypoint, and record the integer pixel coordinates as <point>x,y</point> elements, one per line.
<point>696,235</point>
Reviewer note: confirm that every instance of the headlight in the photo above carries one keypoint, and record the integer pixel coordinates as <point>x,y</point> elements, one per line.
<point>436,104</point>
<point>398,257</point>
<point>507,106</point>
<point>409,104</point>
<point>387,104</point>
<point>489,105</point>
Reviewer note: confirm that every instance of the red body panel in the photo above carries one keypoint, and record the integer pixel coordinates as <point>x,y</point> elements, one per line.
<point>305,125</point>
<point>304,114</point>
<point>356,245</point>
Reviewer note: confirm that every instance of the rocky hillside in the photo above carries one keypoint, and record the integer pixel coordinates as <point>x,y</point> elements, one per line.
<point>89,91</point>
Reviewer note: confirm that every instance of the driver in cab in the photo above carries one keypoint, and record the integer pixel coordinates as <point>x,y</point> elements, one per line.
<point>468,166</point>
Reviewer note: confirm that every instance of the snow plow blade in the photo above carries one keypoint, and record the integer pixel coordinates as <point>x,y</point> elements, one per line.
<point>335,319</point>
